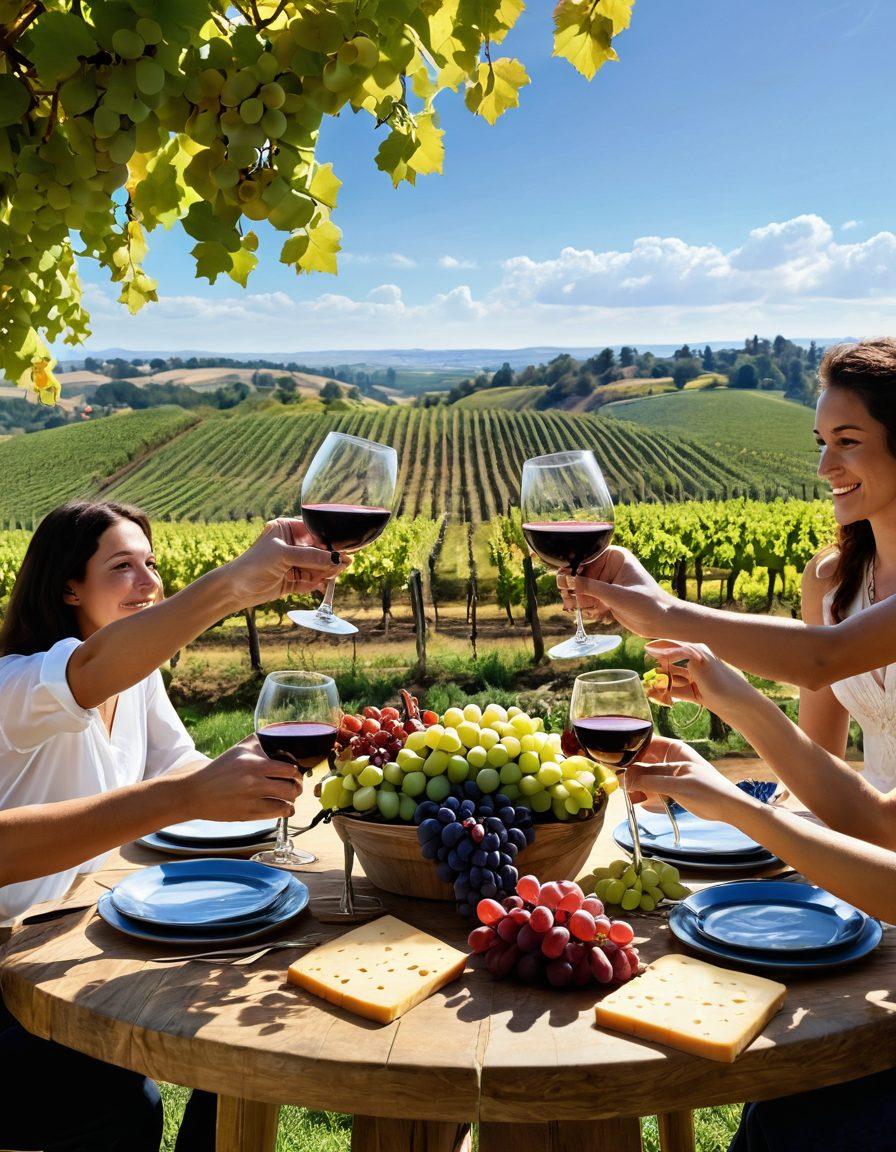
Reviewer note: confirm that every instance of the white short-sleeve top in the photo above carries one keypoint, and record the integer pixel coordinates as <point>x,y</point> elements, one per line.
<point>53,749</point>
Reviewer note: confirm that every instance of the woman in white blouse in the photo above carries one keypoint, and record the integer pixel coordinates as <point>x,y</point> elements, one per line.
<point>92,753</point>
<point>843,654</point>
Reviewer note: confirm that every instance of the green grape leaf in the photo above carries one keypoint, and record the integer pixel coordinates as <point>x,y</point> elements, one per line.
<point>583,36</point>
<point>244,260</point>
<point>14,100</point>
<point>56,41</point>
<point>619,11</point>
<point>325,185</point>
<point>493,19</point>
<point>203,222</point>
<point>496,88</point>
<point>157,187</point>
<point>137,291</point>
<point>394,154</point>
<point>313,250</point>
<point>430,152</point>
<point>212,259</point>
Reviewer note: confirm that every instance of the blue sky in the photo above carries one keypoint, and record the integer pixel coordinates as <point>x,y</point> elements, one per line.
<point>733,172</point>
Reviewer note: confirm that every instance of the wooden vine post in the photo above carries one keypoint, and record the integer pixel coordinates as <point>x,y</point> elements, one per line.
<point>254,645</point>
<point>418,608</point>
<point>532,620</point>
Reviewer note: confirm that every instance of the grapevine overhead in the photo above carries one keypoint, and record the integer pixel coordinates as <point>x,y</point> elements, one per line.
<point>117,116</point>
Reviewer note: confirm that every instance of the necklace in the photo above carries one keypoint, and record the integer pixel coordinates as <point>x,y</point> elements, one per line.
<point>871,589</point>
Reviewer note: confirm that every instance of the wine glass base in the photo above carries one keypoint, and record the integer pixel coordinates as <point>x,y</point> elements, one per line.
<point>330,625</point>
<point>289,861</point>
<point>592,646</point>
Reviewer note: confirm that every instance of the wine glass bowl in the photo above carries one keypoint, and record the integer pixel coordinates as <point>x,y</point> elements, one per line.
<point>568,520</point>
<point>611,718</point>
<point>347,496</point>
<point>296,720</point>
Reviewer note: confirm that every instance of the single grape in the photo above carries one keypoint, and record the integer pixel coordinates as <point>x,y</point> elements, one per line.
<point>512,902</point>
<point>528,940</point>
<point>481,939</point>
<point>490,911</point>
<point>593,905</point>
<point>508,930</point>
<point>621,933</point>
<point>554,942</point>
<point>529,889</point>
<point>559,973</point>
<point>551,895</point>
<point>582,925</point>
<point>601,968</point>
<point>575,952</point>
<point>518,915</point>
<point>541,920</point>
<point>622,970</point>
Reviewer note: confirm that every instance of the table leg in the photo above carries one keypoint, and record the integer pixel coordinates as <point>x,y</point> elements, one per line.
<point>621,1135</point>
<point>379,1134</point>
<point>246,1125</point>
<point>677,1131</point>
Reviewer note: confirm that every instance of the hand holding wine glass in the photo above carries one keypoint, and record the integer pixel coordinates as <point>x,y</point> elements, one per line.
<point>296,720</point>
<point>612,721</point>
<point>347,496</point>
<point>567,522</point>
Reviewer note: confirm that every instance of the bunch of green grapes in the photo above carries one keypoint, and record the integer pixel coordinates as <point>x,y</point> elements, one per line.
<point>620,884</point>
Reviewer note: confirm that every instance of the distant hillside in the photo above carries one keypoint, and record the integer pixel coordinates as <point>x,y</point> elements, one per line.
<point>761,421</point>
<point>249,461</point>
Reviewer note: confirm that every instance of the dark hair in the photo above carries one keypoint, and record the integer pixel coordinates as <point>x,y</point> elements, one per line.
<point>868,371</point>
<point>37,615</point>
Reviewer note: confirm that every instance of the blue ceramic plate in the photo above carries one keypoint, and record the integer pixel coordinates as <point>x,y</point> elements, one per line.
<point>194,852</point>
<point>294,901</point>
<point>699,838</point>
<point>191,893</point>
<point>208,833</point>
<point>775,916</point>
<point>684,925</point>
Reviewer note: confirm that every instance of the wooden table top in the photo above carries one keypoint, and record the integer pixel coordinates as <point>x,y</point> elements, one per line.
<point>477,1050</point>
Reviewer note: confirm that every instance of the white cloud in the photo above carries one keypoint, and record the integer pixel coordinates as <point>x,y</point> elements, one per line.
<point>455,262</point>
<point>849,225</point>
<point>788,276</point>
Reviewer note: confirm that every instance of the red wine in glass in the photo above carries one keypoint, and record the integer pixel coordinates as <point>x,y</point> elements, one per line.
<point>616,741</point>
<point>569,543</point>
<point>344,527</point>
<point>302,743</point>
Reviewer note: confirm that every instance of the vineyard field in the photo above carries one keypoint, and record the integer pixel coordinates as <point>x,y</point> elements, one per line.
<point>44,469</point>
<point>761,421</point>
<point>249,462</point>
<point>512,399</point>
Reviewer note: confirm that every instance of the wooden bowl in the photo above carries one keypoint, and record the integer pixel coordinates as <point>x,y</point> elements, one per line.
<point>390,854</point>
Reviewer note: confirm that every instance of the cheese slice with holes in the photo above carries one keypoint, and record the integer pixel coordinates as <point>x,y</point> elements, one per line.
<point>694,1006</point>
<point>378,970</point>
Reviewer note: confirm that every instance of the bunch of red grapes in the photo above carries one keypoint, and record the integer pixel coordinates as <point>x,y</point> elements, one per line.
<point>380,733</point>
<point>553,933</point>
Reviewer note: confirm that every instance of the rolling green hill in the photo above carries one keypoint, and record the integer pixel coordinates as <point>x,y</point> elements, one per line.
<point>757,421</point>
<point>249,462</point>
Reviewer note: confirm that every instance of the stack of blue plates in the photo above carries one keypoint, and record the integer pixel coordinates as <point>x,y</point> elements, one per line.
<point>706,845</point>
<point>204,901</point>
<point>213,838</point>
<point>774,924</point>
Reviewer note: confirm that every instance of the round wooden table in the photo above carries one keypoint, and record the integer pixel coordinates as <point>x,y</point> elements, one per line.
<point>529,1065</point>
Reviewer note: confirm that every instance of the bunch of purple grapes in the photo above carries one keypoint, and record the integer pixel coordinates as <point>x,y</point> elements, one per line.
<point>474,838</point>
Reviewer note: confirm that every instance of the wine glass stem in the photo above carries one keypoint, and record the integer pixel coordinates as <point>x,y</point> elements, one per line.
<point>325,609</point>
<point>581,634</point>
<point>283,845</point>
<point>633,828</point>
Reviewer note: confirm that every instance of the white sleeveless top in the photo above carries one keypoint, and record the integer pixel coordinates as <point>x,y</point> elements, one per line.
<point>870,698</point>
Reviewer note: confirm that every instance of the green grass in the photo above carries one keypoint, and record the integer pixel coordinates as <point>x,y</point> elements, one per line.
<point>514,399</point>
<point>761,421</point>
<point>302,1130</point>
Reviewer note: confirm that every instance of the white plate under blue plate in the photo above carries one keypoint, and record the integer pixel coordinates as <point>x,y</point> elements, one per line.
<point>775,916</point>
<point>699,838</point>
<point>209,832</point>
<point>294,901</point>
<point>190,893</point>
<point>683,924</point>
<point>168,848</point>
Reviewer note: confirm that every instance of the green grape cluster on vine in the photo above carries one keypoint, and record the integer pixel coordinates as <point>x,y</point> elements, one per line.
<point>118,116</point>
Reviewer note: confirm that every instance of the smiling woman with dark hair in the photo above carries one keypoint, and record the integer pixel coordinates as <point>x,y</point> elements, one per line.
<point>92,754</point>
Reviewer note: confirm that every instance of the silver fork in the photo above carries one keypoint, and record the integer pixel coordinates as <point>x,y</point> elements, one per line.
<point>250,951</point>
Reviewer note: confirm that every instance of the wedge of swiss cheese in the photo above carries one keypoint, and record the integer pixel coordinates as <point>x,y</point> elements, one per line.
<point>378,970</point>
<point>694,1006</point>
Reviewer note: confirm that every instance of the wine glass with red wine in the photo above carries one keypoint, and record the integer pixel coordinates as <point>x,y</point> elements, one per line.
<point>296,719</point>
<point>611,718</point>
<point>347,499</point>
<point>567,522</point>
